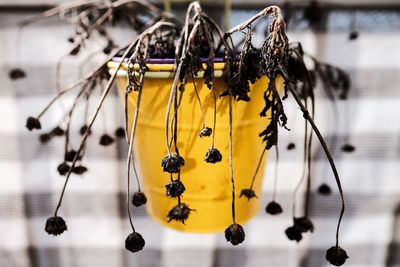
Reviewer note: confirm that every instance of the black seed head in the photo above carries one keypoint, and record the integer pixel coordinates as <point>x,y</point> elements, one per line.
<point>83,130</point>
<point>248,193</point>
<point>273,208</point>
<point>179,213</point>
<point>291,146</point>
<point>304,224</point>
<point>235,234</point>
<point>213,156</point>
<point>70,155</point>
<point>79,169</point>
<point>336,256</point>
<point>207,131</point>
<point>63,168</point>
<point>134,242</point>
<point>55,226</point>
<point>172,163</point>
<point>353,35</point>
<point>58,131</point>
<point>139,199</point>
<point>16,74</point>
<point>120,132</point>
<point>294,233</point>
<point>44,138</point>
<point>33,123</point>
<point>348,148</point>
<point>324,189</point>
<point>175,188</point>
<point>106,140</point>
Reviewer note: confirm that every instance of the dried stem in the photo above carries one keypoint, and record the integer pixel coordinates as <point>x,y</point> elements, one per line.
<point>327,153</point>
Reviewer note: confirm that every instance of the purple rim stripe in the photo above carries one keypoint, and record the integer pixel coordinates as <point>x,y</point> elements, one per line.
<point>167,60</point>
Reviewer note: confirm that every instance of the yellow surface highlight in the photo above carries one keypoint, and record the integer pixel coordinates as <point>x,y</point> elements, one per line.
<point>208,186</point>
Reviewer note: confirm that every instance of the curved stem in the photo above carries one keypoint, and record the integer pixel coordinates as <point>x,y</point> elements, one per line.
<point>94,116</point>
<point>328,156</point>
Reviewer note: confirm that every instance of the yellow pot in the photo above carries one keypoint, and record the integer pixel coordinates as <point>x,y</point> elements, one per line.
<point>208,186</point>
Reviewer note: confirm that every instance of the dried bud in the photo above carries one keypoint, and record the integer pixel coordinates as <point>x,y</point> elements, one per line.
<point>134,242</point>
<point>120,132</point>
<point>324,190</point>
<point>139,199</point>
<point>294,233</point>
<point>44,138</point>
<point>235,234</point>
<point>79,169</point>
<point>58,131</point>
<point>172,163</point>
<point>336,256</point>
<point>63,168</point>
<point>207,131</point>
<point>70,155</point>
<point>175,188</point>
<point>33,123</point>
<point>106,140</point>
<point>304,224</point>
<point>213,156</point>
<point>83,130</point>
<point>16,74</point>
<point>179,213</point>
<point>291,146</point>
<point>273,208</point>
<point>248,193</point>
<point>55,225</point>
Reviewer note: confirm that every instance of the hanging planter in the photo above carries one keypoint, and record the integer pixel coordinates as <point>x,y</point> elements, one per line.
<point>201,114</point>
<point>207,185</point>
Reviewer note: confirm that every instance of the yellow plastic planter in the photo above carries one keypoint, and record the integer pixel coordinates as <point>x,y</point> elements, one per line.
<point>208,186</point>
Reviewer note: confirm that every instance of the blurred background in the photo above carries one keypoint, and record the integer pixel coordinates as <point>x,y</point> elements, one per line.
<point>362,37</point>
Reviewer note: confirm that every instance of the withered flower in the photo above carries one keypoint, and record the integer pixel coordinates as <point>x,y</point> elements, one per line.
<point>120,132</point>
<point>324,189</point>
<point>291,146</point>
<point>304,224</point>
<point>79,169</point>
<point>336,256</point>
<point>273,208</point>
<point>106,140</point>
<point>134,242</point>
<point>248,193</point>
<point>33,123</point>
<point>213,156</point>
<point>175,188</point>
<point>294,233</point>
<point>55,225</point>
<point>235,234</point>
<point>16,74</point>
<point>58,131</point>
<point>70,155</point>
<point>83,130</point>
<point>44,138</point>
<point>179,212</point>
<point>172,163</point>
<point>348,148</point>
<point>63,168</point>
<point>207,131</point>
<point>139,199</point>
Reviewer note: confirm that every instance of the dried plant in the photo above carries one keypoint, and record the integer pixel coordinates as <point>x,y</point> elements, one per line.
<point>161,35</point>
